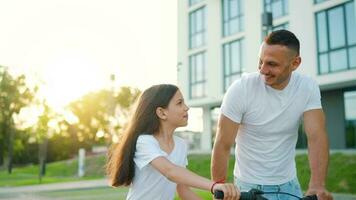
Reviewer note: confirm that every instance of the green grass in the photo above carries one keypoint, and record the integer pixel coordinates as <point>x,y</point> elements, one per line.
<point>341,176</point>
<point>62,171</point>
<point>341,173</point>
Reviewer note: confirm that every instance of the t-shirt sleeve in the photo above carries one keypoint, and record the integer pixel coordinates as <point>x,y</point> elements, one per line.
<point>147,149</point>
<point>233,104</point>
<point>314,101</point>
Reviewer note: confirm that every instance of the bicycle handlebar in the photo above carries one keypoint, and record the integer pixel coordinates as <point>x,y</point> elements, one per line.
<point>254,194</point>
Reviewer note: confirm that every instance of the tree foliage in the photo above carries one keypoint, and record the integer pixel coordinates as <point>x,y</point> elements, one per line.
<point>14,95</point>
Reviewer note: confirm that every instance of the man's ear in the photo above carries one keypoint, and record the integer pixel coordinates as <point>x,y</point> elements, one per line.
<point>296,62</point>
<point>160,113</point>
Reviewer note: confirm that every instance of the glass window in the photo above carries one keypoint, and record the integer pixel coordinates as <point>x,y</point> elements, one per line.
<point>233,61</point>
<point>319,1</point>
<point>197,75</point>
<point>336,34</point>
<point>322,33</point>
<point>350,118</point>
<point>278,8</point>
<point>336,27</point>
<point>192,2</point>
<point>233,16</point>
<point>350,23</point>
<point>338,60</point>
<point>324,63</point>
<point>284,26</point>
<point>197,28</point>
<point>352,57</point>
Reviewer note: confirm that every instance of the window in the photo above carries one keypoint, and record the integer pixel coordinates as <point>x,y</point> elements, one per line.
<point>233,16</point>
<point>197,28</point>
<point>193,2</point>
<point>280,27</point>
<point>197,75</point>
<point>278,8</point>
<point>350,118</point>
<point>318,1</point>
<point>233,61</point>
<point>336,33</point>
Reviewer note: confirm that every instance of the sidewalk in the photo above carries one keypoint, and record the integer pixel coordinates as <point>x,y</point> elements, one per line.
<point>25,192</point>
<point>55,186</point>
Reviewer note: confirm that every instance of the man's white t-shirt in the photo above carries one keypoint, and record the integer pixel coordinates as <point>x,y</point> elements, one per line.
<point>148,183</point>
<point>269,121</point>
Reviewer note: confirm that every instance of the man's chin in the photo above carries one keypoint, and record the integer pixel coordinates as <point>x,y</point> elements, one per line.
<point>268,82</point>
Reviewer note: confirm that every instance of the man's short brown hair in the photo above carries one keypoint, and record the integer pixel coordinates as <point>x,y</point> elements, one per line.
<point>285,38</point>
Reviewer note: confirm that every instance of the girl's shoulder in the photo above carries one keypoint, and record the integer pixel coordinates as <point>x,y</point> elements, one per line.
<point>146,138</point>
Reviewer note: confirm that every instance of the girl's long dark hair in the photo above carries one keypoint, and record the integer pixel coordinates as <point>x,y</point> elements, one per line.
<point>120,167</point>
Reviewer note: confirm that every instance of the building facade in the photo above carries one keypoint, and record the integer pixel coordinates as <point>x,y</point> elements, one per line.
<point>218,40</point>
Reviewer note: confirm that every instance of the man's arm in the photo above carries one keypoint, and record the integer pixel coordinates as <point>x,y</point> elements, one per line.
<point>224,139</point>
<point>318,151</point>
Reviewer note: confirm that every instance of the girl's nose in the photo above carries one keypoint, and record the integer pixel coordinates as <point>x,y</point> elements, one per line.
<point>186,108</point>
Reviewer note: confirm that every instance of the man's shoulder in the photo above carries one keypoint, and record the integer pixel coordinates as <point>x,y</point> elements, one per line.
<point>304,78</point>
<point>248,78</point>
<point>247,81</point>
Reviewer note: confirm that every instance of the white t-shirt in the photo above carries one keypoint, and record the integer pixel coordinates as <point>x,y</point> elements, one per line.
<point>149,183</point>
<point>269,121</point>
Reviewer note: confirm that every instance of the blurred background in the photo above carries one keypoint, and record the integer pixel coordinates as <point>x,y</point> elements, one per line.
<point>70,72</point>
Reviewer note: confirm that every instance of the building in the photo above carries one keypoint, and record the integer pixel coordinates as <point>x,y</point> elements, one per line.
<point>218,40</point>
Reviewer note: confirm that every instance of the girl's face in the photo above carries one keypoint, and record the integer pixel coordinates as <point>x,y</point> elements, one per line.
<point>177,111</point>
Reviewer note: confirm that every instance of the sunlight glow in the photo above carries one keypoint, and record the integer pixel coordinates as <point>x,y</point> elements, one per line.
<point>100,134</point>
<point>69,78</point>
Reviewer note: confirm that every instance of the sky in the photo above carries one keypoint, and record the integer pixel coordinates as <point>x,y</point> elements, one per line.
<point>72,47</point>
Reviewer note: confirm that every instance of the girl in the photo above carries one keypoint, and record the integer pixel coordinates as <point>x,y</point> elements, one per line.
<point>150,159</point>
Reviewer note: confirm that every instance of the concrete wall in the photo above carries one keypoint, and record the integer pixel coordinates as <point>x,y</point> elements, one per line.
<point>333,105</point>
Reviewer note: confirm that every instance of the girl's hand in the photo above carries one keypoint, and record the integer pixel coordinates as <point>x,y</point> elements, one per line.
<point>230,191</point>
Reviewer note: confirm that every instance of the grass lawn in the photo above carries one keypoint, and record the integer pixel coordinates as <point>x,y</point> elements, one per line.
<point>341,176</point>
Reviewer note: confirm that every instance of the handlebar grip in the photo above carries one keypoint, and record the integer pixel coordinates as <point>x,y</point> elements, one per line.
<point>218,194</point>
<point>310,197</point>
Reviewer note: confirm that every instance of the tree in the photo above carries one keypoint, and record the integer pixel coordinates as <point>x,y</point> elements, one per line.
<point>99,114</point>
<point>14,95</point>
<point>42,130</point>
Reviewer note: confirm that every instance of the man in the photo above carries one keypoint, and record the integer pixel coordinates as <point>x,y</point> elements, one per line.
<point>262,112</point>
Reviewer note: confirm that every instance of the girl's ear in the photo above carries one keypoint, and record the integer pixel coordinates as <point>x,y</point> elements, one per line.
<point>160,113</point>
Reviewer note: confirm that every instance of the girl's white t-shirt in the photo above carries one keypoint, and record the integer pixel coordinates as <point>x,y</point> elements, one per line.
<point>149,183</point>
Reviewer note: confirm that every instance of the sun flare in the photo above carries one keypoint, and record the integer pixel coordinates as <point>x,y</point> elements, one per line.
<point>69,78</point>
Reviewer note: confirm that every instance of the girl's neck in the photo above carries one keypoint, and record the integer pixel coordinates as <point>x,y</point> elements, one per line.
<point>165,133</point>
<point>165,139</point>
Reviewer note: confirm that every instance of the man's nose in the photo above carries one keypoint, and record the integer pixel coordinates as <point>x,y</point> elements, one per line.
<point>263,69</point>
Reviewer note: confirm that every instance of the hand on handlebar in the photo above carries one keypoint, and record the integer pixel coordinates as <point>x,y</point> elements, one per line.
<point>255,194</point>
<point>321,193</point>
<point>229,190</point>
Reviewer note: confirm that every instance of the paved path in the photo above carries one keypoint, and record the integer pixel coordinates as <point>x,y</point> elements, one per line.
<point>29,192</point>
<point>54,186</point>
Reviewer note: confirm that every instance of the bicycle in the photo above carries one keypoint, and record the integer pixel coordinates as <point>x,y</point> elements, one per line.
<point>255,194</point>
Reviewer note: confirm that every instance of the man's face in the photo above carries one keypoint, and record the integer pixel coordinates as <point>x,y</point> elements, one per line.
<point>276,64</point>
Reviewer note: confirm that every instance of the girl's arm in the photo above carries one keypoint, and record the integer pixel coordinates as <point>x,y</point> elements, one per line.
<point>185,193</point>
<point>181,175</point>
